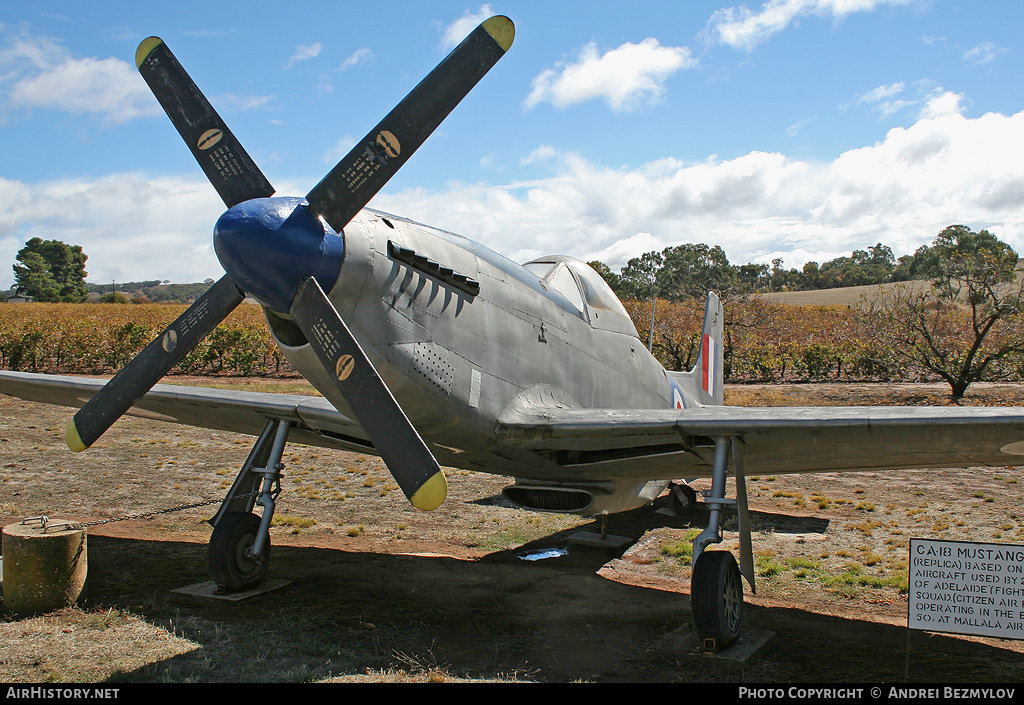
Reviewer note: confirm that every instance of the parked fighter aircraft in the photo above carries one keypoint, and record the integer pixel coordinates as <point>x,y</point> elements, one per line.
<point>431,349</point>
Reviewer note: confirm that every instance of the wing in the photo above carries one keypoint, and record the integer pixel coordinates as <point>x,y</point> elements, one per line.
<point>671,443</point>
<point>315,421</point>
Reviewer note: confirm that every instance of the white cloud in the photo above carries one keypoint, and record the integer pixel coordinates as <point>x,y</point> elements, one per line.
<point>931,100</point>
<point>37,72</point>
<point>884,98</point>
<point>628,248</point>
<point>106,87</point>
<point>983,53</point>
<point>304,52</point>
<point>883,92</point>
<point>342,147</point>
<point>901,191</point>
<point>742,28</point>
<point>453,34</point>
<point>796,259</point>
<point>795,129</point>
<point>626,77</point>
<point>132,226</point>
<point>543,153</point>
<point>941,103</point>
<point>359,56</point>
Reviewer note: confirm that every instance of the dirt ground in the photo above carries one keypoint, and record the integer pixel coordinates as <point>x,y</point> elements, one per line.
<point>375,590</point>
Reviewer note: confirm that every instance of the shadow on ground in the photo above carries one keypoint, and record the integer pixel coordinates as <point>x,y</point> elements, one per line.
<point>346,613</point>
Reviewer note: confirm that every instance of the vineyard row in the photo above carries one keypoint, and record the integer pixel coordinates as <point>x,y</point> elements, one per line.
<point>790,344</point>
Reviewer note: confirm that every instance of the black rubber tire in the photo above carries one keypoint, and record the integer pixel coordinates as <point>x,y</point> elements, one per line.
<point>231,569</point>
<point>716,597</point>
<point>683,498</point>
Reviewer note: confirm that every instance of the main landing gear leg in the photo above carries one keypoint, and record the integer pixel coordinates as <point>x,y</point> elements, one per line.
<point>239,551</point>
<point>716,590</point>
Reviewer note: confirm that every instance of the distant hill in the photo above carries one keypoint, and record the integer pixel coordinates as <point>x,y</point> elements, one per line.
<point>845,296</point>
<point>155,291</point>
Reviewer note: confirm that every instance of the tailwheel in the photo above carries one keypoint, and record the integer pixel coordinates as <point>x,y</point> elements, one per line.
<point>683,498</point>
<point>716,597</point>
<point>230,558</point>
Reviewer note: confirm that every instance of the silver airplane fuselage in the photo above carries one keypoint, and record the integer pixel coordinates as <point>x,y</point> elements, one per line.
<point>461,335</point>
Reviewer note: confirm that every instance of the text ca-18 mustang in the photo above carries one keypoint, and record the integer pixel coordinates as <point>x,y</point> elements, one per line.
<point>432,350</point>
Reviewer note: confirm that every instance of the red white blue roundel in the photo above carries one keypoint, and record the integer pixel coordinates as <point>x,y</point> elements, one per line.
<point>678,401</point>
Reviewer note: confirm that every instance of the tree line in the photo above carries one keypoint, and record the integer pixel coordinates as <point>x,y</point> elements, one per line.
<point>964,322</point>
<point>691,270</point>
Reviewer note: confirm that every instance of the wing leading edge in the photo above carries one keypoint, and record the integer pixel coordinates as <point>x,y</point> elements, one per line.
<point>595,444</point>
<point>315,421</point>
<point>675,443</point>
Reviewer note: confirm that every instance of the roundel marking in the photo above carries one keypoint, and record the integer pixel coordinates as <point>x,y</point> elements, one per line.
<point>677,398</point>
<point>209,138</point>
<point>344,367</point>
<point>389,142</point>
<point>170,341</point>
<point>1013,448</point>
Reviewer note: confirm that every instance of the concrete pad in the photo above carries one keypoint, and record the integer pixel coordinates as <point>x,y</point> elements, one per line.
<point>684,640</point>
<point>210,588</point>
<point>589,538</point>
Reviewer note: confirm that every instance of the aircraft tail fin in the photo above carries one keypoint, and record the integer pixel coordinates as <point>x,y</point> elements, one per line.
<point>706,380</point>
<point>710,367</point>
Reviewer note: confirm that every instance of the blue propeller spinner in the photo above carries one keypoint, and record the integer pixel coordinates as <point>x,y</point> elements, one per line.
<point>269,246</point>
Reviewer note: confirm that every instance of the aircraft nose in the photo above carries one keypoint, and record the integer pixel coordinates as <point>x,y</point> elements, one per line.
<point>269,246</point>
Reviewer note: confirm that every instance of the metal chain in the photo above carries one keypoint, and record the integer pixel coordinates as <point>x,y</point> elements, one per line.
<point>144,515</point>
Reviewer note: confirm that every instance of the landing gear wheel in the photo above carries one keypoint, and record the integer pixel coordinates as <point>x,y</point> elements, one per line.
<point>716,597</point>
<point>228,559</point>
<point>683,498</point>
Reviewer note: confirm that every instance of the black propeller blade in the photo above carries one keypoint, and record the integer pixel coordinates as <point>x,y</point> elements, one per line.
<point>371,163</point>
<point>226,163</point>
<point>237,178</point>
<point>337,198</point>
<point>410,461</point>
<point>156,359</point>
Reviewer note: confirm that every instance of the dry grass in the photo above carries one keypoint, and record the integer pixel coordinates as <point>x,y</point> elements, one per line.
<point>84,645</point>
<point>384,593</point>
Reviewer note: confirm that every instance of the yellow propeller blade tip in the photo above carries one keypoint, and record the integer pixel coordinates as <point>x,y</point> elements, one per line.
<point>148,45</point>
<point>72,438</point>
<point>431,493</point>
<point>502,31</point>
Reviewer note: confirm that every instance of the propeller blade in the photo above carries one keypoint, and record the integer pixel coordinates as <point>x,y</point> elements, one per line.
<point>226,163</point>
<point>372,162</point>
<point>410,461</point>
<point>145,369</point>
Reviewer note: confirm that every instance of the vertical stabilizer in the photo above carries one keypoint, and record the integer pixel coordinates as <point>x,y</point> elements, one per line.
<point>709,370</point>
<point>704,383</point>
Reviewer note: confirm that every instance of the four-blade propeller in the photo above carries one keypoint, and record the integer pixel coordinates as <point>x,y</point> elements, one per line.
<point>307,255</point>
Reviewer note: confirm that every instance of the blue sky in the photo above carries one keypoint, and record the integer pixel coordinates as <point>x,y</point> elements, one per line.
<point>800,129</point>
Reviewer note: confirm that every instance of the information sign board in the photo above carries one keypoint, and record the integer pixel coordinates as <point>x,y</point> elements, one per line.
<point>963,587</point>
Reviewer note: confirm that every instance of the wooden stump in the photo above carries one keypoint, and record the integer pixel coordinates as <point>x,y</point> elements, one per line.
<point>44,569</point>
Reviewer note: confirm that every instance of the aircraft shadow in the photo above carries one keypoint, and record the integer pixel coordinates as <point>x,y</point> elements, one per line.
<point>636,523</point>
<point>347,613</point>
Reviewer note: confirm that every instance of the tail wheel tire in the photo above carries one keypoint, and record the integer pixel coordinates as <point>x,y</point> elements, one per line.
<point>683,499</point>
<point>716,594</point>
<point>229,560</point>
